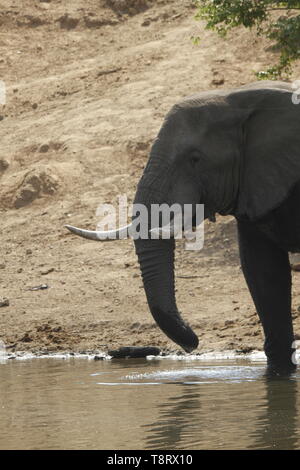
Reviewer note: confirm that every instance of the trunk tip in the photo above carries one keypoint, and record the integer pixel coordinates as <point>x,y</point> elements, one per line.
<point>176,329</point>
<point>193,342</point>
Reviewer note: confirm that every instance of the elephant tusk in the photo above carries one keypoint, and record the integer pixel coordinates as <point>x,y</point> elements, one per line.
<point>161,232</point>
<point>172,229</point>
<point>99,235</point>
<point>169,230</point>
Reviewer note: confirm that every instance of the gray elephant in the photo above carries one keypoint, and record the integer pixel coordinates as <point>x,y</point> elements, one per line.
<point>237,152</point>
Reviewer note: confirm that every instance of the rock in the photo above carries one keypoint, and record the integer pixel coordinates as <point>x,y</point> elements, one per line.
<point>4,302</point>
<point>33,186</point>
<point>40,287</point>
<point>26,338</point>
<point>134,351</point>
<point>245,350</point>
<point>218,81</point>
<point>98,358</point>
<point>3,165</point>
<point>47,271</point>
<point>68,22</point>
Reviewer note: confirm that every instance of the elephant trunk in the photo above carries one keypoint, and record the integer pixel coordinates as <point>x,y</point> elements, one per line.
<point>156,258</point>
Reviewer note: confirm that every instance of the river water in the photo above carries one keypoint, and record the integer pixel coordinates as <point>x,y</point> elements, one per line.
<point>146,404</point>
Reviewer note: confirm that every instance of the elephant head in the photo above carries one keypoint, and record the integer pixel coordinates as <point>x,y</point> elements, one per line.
<point>221,149</point>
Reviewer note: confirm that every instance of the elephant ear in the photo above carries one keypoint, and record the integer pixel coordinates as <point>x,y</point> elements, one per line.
<point>270,150</point>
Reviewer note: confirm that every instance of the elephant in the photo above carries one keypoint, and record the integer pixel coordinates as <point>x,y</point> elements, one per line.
<point>236,151</point>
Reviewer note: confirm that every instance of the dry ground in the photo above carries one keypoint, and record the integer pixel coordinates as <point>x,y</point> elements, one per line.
<point>88,84</point>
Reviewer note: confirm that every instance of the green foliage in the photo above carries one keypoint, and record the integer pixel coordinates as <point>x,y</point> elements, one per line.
<point>284,30</point>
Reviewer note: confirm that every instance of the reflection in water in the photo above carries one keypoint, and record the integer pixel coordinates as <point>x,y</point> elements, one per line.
<point>248,415</point>
<point>176,417</point>
<point>277,424</point>
<point>79,404</point>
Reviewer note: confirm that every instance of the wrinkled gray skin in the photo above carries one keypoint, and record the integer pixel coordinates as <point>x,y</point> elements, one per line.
<point>237,152</point>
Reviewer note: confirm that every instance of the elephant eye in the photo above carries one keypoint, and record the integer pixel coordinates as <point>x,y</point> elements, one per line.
<point>195,157</point>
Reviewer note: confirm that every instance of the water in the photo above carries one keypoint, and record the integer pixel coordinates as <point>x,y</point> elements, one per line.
<point>146,404</point>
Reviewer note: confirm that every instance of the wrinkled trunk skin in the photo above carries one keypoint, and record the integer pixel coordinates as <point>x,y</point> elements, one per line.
<point>156,258</point>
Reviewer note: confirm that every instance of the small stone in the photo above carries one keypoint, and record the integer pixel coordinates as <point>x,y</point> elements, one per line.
<point>47,271</point>
<point>40,287</point>
<point>98,358</point>
<point>68,22</point>
<point>2,266</point>
<point>4,302</point>
<point>3,165</point>
<point>20,270</point>
<point>26,338</point>
<point>245,350</point>
<point>44,148</point>
<point>28,251</point>
<point>218,81</point>
<point>34,106</point>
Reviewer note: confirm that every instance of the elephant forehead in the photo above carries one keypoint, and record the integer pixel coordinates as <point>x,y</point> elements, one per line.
<point>221,107</point>
<point>200,118</point>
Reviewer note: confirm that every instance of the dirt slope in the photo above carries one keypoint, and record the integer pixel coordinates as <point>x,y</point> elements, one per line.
<point>88,83</point>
